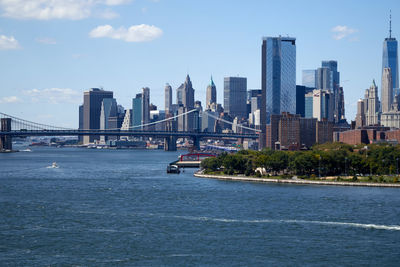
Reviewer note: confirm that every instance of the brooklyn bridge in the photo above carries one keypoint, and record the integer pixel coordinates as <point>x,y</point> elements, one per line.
<point>12,126</point>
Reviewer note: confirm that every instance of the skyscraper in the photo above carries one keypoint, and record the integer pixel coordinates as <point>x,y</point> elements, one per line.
<point>360,117</point>
<point>279,75</point>
<point>309,78</point>
<point>137,112</point>
<point>386,90</point>
<point>108,109</point>
<point>186,122</point>
<point>145,106</point>
<point>328,78</point>
<point>324,79</point>
<point>80,138</point>
<point>335,76</point>
<point>390,57</point>
<point>235,96</point>
<point>168,98</point>
<point>92,100</point>
<point>188,94</point>
<point>211,96</point>
<point>371,105</point>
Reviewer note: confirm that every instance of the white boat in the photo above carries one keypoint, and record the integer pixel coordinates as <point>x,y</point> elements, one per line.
<point>26,150</point>
<point>53,166</point>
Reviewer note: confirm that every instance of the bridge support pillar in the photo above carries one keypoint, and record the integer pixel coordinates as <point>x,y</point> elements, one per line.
<point>196,143</point>
<point>5,140</point>
<point>170,143</point>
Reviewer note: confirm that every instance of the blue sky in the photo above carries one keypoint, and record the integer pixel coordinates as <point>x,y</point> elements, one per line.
<point>53,50</point>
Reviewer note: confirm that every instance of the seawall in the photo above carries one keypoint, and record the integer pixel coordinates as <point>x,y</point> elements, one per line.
<point>291,181</point>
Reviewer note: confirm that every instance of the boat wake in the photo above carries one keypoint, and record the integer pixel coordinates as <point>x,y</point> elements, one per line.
<point>327,223</point>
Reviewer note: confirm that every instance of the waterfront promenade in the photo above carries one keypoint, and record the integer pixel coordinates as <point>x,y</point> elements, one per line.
<point>291,181</point>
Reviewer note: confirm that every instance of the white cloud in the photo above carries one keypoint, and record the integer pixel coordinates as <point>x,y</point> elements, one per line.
<point>46,40</point>
<point>135,33</point>
<point>55,9</point>
<point>116,2</point>
<point>54,95</point>
<point>10,99</point>
<point>107,14</point>
<point>7,43</point>
<point>341,32</point>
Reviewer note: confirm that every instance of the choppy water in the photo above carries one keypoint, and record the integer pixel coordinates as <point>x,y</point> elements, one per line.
<point>104,207</point>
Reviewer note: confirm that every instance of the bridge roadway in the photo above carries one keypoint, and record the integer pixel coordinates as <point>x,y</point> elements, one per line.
<point>169,137</point>
<point>161,134</point>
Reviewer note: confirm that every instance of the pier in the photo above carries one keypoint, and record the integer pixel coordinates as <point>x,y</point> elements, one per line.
<point>191,160</point>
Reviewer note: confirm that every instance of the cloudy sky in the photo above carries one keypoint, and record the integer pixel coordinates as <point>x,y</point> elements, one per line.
<point>53,50</point>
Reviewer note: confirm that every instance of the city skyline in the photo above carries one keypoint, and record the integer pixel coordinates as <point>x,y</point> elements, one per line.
<point>49,91</point>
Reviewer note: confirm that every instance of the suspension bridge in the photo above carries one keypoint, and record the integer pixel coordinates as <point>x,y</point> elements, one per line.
<point>12,126</point>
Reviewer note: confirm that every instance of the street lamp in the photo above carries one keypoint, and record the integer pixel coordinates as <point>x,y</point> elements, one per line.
<point>397,166</point>
<point>345,166</point>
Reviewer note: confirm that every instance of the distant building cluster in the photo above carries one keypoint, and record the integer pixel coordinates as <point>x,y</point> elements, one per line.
<point>286,115</point>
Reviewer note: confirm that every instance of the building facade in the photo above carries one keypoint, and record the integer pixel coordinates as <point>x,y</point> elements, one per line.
<point>386,90</point>
<point>235,95</point>
<point>309,78</point>
<point>371,105</point>
<point>92,100</point>
<point>168,98</point>
<point>390,57</point>
<point>279,75</point>
<point>211,94</point>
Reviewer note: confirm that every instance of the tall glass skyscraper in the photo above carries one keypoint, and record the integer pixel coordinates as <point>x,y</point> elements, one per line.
<point>235,90</point>
<point>390,57</point>
<point>279,75</point>
<point>309,78</point>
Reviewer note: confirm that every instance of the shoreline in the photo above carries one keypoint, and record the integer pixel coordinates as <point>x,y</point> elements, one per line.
<point>291,181</point>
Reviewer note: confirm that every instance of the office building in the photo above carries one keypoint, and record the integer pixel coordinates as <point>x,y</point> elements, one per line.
<point>108,109</point>
<point>188,94</point>
<point>179,94</point>
<point>290,132</point>
<point>391,118</point>
<point>309,78</point>
<point>211,94</point>
<point>235,94</point>
<point>146,107</point>
<point>360,116</point>
<point>324,79</point>
<point>318,104</point>
<point>334,75</point>
<point>80,137</point>
<point>371,105</point>
<point>390,57</point>
<point>278,76</point>
<point>92,100</point>
<point>137,112</point>
<point>168,98</point>
<point>386,90</point>
<point>301,92</point>
<point>324,132</point>
<point>208,120</point>
<point>187,122</point>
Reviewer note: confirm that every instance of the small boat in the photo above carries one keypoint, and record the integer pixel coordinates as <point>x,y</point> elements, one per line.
<point>26,150</point>
<point>53,166</point>
<point>173,169</point>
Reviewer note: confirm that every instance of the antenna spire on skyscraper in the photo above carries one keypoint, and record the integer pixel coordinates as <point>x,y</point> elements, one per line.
<point>390,24</point>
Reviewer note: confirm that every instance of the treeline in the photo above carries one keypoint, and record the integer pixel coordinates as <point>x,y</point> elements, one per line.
<point>332,159</point>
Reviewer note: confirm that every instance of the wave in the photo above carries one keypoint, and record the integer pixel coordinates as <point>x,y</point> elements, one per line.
<point>328,223</point>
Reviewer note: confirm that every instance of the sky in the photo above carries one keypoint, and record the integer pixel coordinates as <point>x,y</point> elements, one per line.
<point>51,51</point>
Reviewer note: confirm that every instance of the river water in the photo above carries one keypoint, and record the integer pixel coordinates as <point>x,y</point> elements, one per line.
<point>119,207</point>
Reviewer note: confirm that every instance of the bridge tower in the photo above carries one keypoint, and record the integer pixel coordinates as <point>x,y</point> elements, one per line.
<point>170,141</point>
<point>5,141</point>
<point>196,142</point>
